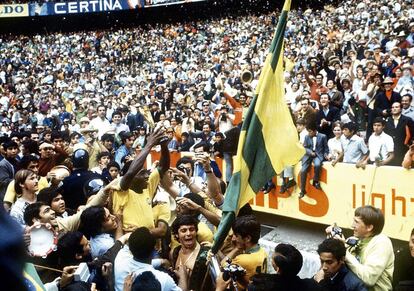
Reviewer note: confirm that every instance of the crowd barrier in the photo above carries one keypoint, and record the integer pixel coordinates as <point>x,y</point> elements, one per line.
<point>344,188</point>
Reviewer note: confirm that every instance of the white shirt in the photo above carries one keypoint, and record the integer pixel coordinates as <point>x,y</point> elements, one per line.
<point>125,264</point>
<point>335,147</point>
<point>380,146</point>
<point>101,125</point>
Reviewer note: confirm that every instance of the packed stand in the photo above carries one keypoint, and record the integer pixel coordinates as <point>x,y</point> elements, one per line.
<point>81,113</point>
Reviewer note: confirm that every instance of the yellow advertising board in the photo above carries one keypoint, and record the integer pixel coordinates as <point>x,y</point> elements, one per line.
<point>344,188</point>
<point>14,10</point>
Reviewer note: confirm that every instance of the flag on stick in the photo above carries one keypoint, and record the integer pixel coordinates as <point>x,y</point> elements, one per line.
<point>268,140</point>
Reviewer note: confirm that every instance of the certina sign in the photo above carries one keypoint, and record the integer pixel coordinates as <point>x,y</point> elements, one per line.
<point>14,10</point>
<point>86,6</point>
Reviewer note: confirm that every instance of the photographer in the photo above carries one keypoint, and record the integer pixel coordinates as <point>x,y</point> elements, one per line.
<point>372,258</point>
<point>224,121</point>
<point>247,253</point>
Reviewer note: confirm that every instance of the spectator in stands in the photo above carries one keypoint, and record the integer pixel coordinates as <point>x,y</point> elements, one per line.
<point>326,116</point>
<point>8,165</point>
<point>317,151</point>
<point>306,113</point>
<point>335,144</point>
<point>50,156</point>
<point>355,149</point>
<point>125,151</point>
<point>100,122</point>
<point>380,145</point>
<point>407,108</point>
<point>401,129</point>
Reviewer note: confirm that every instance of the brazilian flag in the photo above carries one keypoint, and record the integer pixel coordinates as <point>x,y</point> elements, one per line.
<point>268,140</point>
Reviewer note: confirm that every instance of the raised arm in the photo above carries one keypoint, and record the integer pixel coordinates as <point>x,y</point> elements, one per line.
<point>139,161</point>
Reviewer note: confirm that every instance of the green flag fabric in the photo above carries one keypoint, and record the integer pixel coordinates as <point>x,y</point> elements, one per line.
<point>268,140</point>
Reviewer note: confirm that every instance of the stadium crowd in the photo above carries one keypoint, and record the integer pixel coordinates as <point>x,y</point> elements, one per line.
<point>81,112</point>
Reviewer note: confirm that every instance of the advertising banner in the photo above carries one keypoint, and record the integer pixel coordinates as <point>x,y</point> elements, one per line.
<point>14,10</point>
<point>74,7</point>
<point>344,189</point>
<point>93,6</point>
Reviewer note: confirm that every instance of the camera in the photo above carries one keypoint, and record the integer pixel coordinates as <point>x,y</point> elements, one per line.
<point>352,241</point>
<point>234,272</point>
<point>183,169</point>
<point>336,230</point>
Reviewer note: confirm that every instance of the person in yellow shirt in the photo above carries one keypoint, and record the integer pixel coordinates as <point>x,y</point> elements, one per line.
<point>247,253</point>
<point>137,189</point>
<point>29,162</point>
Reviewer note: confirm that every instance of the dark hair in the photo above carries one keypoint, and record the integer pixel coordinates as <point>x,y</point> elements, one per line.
<point>113,164</point>
<point>185,160</point>
<point>334,246</point>
<point>289,260</point>
<point>204,145</point>
<point>300,121</point>
<point>371,216</point>
<point>47,195</point>
<point>32,211</point>
<point>15,134</point>
<point>351,126</point>
<point>31,146</point>
<point>245,210</point>
<point>183,220</point>
<point>141,243</point>
<point>247,226</point>
<point>68,246</point>
<point>264,282</point>
<point>107,136</point>
<point>55,135</point>
<point>100,105</point>
<point>91,221</point>
<point>195,198</point>
<point>124,135</point>
<point>9,144</point>
<point>117,112</point>
<point>74,134</point>
<point>410,97</point>
<point>101,155</point>
<point>311,126</point>
<point>26,160</point>
<point>379,120</point>
<point>146,281</point>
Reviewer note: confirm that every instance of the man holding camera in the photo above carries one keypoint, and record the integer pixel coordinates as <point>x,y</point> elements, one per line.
<point>247,253</point>
<point>372,258</point>
<point>224,120</point>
